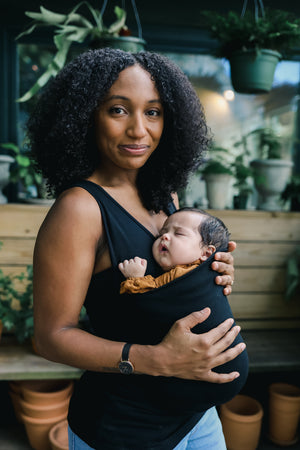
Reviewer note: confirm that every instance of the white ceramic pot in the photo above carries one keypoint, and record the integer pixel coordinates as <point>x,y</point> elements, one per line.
<point>5,162</point>
<point>271,177</point>
<point>217,188</point>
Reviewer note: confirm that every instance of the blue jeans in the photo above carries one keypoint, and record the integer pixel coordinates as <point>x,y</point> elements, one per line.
<point>206,434</point>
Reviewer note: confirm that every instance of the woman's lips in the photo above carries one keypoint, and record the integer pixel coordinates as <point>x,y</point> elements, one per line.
<point>134,149</point>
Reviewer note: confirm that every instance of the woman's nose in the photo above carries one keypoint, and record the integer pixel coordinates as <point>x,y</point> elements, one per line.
<point>136,127</point>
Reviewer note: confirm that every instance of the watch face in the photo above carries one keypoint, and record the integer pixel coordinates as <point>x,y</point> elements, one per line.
<point>126,367</point>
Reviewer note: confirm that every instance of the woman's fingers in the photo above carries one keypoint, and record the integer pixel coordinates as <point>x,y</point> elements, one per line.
<point>223,335</point>
<point>231,246</point>
<point>214,377</point>
<point>193,319</point>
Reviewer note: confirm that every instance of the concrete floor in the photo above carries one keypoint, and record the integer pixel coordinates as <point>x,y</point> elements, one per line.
<point>13,435</point>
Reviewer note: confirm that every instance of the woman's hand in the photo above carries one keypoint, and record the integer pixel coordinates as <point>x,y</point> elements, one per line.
<point>194,356</point>
<point>224,265</point>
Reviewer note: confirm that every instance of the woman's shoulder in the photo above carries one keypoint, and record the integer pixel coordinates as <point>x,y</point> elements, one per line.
<point>74,208</point>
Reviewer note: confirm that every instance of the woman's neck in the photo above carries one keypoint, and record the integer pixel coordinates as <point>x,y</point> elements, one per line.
<point>114,179</point>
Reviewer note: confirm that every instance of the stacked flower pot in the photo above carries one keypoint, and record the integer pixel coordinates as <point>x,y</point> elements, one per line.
<point>40,405</point>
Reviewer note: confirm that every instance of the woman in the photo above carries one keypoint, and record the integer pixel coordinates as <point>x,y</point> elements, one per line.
<point>121,132</point>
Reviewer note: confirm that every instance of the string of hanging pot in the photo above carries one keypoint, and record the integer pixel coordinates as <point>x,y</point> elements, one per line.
<point>86,30</point>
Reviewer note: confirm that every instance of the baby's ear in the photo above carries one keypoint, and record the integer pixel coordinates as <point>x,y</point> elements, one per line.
<point>207,252</point>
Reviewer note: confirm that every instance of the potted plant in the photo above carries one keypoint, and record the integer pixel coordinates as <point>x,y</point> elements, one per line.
<point>217,174</point>
<point>24,172</point>
<point>271,173</point>
<point>75,28</point>
<point>291,193</point>
<point>253,43</point>
<point>241,173</point>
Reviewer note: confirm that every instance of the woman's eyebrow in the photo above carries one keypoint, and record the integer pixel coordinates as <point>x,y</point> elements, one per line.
<point>122,97</point>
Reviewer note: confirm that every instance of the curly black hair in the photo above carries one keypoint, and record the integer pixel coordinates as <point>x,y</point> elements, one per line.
<point>62,138</point>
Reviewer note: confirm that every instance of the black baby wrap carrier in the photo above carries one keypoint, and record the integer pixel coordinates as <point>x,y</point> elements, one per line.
<point>151,314</point>
<point>145,319</point>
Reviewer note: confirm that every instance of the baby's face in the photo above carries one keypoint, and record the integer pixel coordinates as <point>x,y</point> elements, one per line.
<point>179,240</point>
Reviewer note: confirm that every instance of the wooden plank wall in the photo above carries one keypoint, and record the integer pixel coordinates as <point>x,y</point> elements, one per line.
<point>265,240</point>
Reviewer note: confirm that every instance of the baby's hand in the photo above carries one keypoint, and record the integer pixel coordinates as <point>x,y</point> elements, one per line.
<point>135,267</point>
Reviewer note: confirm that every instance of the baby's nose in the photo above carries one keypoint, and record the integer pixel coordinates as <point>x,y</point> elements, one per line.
<point>165,237</point>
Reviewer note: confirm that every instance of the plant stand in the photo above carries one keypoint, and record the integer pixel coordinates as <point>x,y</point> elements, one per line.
<point>253,73</point>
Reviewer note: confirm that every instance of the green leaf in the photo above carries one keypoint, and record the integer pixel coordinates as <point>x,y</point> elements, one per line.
<point>23,160</point>
<point>42,81</point>
<point>11,146</point>
<point>28,31</point>
<point>120,22</point>
<point>74,33</point>
<point>47,16</point>
<point>52,17</point>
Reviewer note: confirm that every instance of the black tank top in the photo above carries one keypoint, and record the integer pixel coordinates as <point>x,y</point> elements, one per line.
<point>102,412</point>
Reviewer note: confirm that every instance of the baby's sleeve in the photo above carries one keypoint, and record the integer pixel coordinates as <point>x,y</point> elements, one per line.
<point>138,285</point>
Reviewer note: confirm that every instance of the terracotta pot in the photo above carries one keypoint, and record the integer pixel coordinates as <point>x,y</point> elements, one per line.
<point>44,411</point>
<point>284,413</point>
<point>43,392</point>
<point>58,436</point>
<point>16,403</point>
<point>241,420</point>
<point>37,430</point>
<point>15,396</point>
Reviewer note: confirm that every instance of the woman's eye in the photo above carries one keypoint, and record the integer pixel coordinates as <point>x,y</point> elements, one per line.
<point>153,113</point>
<point>116,110</point>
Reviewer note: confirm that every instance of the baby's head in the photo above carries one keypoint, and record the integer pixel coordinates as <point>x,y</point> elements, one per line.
<point>187,235</point>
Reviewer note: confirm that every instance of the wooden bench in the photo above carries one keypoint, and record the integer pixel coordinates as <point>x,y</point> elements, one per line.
<point>270,324</point>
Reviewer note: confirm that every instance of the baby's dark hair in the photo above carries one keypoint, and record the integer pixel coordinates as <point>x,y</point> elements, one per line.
<point>212,230</point>
<point>61,131</point>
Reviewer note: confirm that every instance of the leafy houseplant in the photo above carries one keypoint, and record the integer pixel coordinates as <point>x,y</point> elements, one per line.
<point>16,310</point>
<point>76,28</point>
<point>25,173</point>
<point>241,174</point>
<point>253,44</point>
<point>292,192</point>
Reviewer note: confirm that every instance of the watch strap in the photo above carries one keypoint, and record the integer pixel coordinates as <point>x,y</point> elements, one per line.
<point>125,352</point>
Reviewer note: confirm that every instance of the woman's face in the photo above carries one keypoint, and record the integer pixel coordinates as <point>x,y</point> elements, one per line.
<point>129,122</point>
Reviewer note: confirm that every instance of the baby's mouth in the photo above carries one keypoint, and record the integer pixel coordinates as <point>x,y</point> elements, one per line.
<point>163,248</point>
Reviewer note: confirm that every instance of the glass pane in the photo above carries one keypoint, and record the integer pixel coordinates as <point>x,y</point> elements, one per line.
<point>33,60</point>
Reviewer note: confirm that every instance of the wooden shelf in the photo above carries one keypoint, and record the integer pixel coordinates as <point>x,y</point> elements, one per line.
<point>269,351</point>
<point>19,362</point>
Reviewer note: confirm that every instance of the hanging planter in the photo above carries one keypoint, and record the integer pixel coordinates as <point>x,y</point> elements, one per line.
<point>125,43</point>
<point>253,43</point>
<point>252,72</point>
<point>76,28</point>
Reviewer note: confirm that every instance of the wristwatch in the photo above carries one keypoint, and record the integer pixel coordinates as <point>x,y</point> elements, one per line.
<point>125,366</point>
